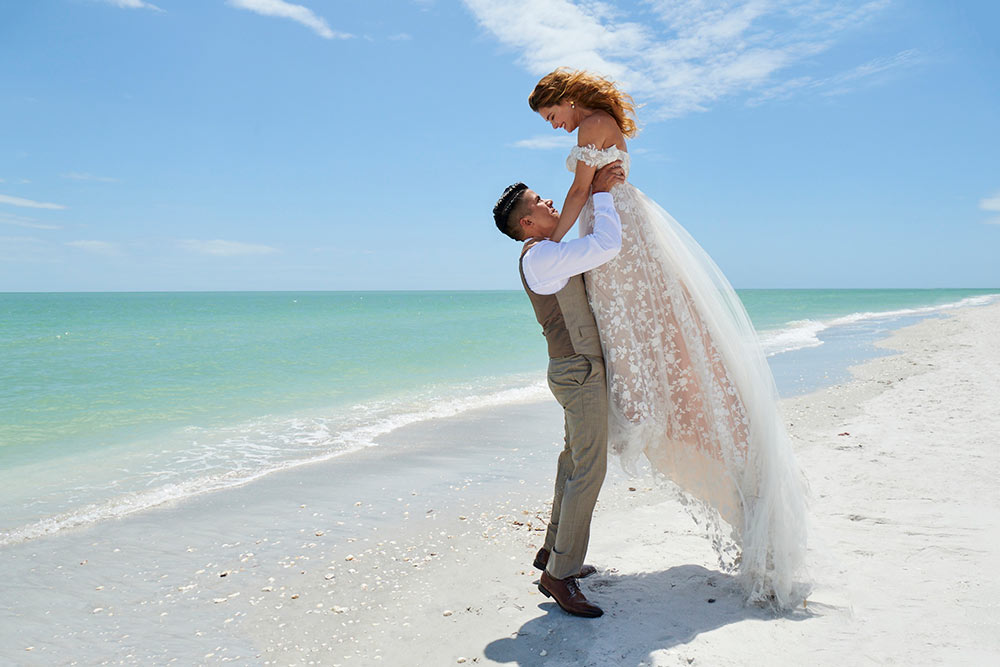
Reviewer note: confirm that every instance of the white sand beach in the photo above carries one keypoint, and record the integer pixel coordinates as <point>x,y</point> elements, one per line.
<point>404,565</point>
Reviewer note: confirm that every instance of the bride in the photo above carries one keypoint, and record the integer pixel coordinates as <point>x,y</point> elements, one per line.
<point>688,382</point>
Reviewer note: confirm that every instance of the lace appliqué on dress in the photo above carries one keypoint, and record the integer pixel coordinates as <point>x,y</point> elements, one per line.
<point>673,397</point>
<point>598,157</point>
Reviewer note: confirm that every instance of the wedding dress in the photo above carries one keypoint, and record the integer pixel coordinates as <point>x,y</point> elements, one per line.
<point>690,389</point>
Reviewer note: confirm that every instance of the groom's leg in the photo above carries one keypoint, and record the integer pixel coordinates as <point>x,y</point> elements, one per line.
<point>579,385</point>
<point>563,471</point>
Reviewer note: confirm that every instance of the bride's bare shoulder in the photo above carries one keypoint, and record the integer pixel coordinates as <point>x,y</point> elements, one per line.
<point>598,120</point>
<point>599,129</point>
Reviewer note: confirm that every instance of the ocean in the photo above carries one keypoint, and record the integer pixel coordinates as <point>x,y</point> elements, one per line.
<point>113,403</point>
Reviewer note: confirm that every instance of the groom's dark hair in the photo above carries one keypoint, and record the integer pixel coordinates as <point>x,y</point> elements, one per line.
<point>506,212</point>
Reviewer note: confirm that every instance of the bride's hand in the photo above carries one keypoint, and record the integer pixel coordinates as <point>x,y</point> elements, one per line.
<point>608,176</point>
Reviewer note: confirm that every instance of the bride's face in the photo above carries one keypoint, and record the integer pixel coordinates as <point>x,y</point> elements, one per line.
<point>562,115</point>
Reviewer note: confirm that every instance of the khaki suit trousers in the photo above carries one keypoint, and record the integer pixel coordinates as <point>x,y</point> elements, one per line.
<point>579,384</point>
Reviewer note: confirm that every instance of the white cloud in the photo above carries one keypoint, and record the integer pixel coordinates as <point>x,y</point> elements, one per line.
<point>877,66</point>
<point>133,4</point>
<point>546,142</point>
<point>97,247</point>
<point>226,248</point>
<point>28,203</point>
<point>20,239</point>
<point>26,250</point>
<point>842,83</point>
<point>401,37</point>
<point>77,176</point>
<point>677,56</point>
<point>287,10</point>
<point>21,221</point>
<point>991,205</point>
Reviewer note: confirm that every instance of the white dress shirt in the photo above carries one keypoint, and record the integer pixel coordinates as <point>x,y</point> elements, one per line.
<point>548,265</point>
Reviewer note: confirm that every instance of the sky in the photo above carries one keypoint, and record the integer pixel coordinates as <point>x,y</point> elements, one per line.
<point>336,145</point>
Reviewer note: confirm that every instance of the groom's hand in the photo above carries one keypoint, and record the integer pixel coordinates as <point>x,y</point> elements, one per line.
<point>608,176</point>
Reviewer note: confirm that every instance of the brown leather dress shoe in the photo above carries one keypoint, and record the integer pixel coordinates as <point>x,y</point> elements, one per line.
<point>542,559</point>
<point>567,594</point>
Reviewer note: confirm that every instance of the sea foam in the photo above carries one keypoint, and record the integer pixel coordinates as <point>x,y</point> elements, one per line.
<point>232,456</point>
<point>802,334</point>
<point>191,461</point>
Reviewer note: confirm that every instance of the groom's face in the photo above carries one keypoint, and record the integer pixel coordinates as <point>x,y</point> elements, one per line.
<point>541,216</point>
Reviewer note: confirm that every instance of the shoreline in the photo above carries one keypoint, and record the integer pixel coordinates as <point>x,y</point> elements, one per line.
<point>361,572</point>
<point>835,345</point>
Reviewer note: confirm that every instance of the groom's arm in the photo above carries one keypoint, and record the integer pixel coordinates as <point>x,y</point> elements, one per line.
<point>548,265</point>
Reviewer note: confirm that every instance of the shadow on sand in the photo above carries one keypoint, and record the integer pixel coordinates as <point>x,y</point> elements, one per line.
<point>643,613</point>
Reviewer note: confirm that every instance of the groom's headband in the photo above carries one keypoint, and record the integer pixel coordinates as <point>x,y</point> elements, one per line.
<point>506,203</point>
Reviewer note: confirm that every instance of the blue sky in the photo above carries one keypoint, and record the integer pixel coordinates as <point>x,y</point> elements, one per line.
<point>326,144</point>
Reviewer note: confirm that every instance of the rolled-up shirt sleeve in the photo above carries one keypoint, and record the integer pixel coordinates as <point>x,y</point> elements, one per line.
<point>548,265</point>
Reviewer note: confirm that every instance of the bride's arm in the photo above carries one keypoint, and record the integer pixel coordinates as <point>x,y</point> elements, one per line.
<point>576,198</point>
<point>593,131</point>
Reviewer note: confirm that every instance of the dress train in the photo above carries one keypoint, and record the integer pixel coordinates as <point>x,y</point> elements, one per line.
<point>691,391</point>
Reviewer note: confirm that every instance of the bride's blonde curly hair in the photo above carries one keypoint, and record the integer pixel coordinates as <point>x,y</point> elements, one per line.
<point>588,90</point>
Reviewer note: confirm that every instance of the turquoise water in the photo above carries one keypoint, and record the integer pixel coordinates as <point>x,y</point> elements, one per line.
<point>772,309</point>
<point>116,402</point>
<point>82,367</point>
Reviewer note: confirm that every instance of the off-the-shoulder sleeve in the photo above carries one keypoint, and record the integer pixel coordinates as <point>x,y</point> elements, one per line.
<point>595,157</point>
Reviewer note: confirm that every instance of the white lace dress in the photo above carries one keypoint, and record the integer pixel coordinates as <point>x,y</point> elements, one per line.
<point>691,390</point>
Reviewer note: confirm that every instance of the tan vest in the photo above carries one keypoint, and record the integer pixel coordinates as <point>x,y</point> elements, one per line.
<point>567,321</point>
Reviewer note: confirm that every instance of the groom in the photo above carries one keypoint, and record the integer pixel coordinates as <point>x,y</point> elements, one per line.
<point>551,275</point>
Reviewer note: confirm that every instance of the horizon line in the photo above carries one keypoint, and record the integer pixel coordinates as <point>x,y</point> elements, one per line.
<point>415,291</point>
